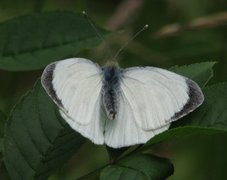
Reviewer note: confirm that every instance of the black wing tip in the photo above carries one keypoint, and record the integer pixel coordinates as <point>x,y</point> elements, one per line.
<point>47,75</point>
<point>46,81</point>
<point>195,92</point>
<point>196,99</point>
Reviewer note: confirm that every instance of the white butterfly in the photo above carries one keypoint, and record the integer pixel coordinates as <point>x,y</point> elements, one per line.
<point>119,107</point>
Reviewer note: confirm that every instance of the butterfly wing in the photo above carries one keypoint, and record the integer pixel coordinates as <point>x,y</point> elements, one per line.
<point>75,86</point>
<point>150,99</point>
<point>158,96</point>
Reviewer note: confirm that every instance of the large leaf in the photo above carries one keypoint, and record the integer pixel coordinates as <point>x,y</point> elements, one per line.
<point>140,166</point>
<point>199,72</point>
<point>37,141</point>
<point>33,41</point>
<point>211,117</point>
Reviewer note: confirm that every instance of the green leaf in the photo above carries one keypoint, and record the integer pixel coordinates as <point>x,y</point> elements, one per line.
<point>211,117</point>
<point>140,166</point>
<point>199,72</point>
<point>37,141</point>
<point>31,42</point>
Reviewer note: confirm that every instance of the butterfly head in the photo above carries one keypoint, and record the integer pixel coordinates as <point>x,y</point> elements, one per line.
<point>111,63</point>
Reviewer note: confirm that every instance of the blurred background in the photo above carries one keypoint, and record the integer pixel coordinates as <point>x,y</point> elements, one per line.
<point>180,32</point>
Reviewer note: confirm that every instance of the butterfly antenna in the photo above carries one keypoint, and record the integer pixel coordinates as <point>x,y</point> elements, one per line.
<point>97,33</point>
<point>130,40</point>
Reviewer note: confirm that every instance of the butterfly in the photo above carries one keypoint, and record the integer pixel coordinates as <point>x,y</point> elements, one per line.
<point>119,107</point>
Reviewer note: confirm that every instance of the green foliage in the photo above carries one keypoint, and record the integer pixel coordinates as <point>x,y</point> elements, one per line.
<point>33,41</point>
<point>37,141</point>
<point>139,166</point>
<point>199,72</point>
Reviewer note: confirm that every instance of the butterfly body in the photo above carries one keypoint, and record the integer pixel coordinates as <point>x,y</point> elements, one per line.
<point>110,89</point>
<point>119,107</point>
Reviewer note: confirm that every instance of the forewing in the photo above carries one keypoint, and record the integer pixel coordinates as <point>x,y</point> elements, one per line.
<point>158,96</point>
<point>75,86</point>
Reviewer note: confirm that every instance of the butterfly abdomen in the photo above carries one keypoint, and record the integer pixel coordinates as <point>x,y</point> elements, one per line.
<point>110,90</point>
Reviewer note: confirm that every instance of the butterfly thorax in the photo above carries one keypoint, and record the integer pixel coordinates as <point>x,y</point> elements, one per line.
<point>110,90</point>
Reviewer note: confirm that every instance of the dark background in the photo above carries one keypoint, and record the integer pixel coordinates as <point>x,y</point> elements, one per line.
<point>200,35</point>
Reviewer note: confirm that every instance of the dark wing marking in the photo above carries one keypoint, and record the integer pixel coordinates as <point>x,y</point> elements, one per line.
<point>46,80</point>
<point>195,100</point>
